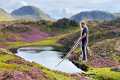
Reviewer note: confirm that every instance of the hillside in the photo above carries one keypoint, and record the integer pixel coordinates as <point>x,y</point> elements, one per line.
<point>27,31</point>
<point>13,67</point>
<point>21,32</point>
<point>30,13</point>
<point>104,49</point>
<point>4,16</point>
<point>92,16</point>
<point>102,37</point>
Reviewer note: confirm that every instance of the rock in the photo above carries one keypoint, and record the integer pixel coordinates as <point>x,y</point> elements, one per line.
<point>4,51</point>
<point>74,57</point>
<point>13,50</point>
<point>82,66</point>
<point>116,69</point>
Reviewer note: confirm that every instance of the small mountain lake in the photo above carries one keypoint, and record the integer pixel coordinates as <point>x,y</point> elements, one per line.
<point>48,58</point>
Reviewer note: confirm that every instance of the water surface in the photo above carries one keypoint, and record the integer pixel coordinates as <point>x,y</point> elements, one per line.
<point>48,59</point>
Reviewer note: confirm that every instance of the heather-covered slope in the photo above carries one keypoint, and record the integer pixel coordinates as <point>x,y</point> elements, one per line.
<point>20,32</point>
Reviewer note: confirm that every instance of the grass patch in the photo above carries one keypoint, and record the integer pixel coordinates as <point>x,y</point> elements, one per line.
<point>104,74</point>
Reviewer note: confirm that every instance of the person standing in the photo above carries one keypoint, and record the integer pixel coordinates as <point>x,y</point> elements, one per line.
<point>84,40</point>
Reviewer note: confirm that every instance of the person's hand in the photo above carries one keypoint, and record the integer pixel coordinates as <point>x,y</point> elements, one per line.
<point>68,56</point>
<point>80,39</point>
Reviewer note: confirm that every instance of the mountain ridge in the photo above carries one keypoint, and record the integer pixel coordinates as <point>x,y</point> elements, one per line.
<point>93,15</point>
<point>30,12</point>
<point>5,16</point>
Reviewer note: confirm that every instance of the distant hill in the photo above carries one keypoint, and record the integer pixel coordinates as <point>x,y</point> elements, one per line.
<point>30,13</point>
<point>65,23</point>
<point>116,14</point>
<point>4,16</point>
<point>93,15</point>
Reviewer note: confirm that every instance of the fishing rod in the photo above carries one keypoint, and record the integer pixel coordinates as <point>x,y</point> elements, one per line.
<point>73,48</point>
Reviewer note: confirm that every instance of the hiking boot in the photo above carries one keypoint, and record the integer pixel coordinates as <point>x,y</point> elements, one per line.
<point>84,61</point>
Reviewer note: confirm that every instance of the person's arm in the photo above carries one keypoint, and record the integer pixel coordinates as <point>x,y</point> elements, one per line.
<point>85,34</point>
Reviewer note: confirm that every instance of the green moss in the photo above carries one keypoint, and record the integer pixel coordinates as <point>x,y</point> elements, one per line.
<point>104,74</point>
<point>4,58</point>
<point>7,66</point>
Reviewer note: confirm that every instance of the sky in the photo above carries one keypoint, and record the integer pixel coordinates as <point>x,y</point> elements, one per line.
<point>63,8</point>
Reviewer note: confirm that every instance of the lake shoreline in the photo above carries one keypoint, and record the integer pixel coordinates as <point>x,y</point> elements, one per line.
<point>28,52</point>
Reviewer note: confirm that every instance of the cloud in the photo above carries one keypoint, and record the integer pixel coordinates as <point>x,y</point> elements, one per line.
<point>24,3</point>
<point>62,8</point>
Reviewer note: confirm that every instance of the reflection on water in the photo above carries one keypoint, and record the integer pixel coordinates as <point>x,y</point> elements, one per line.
<point>36,49</point>
<point>49,59</point>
